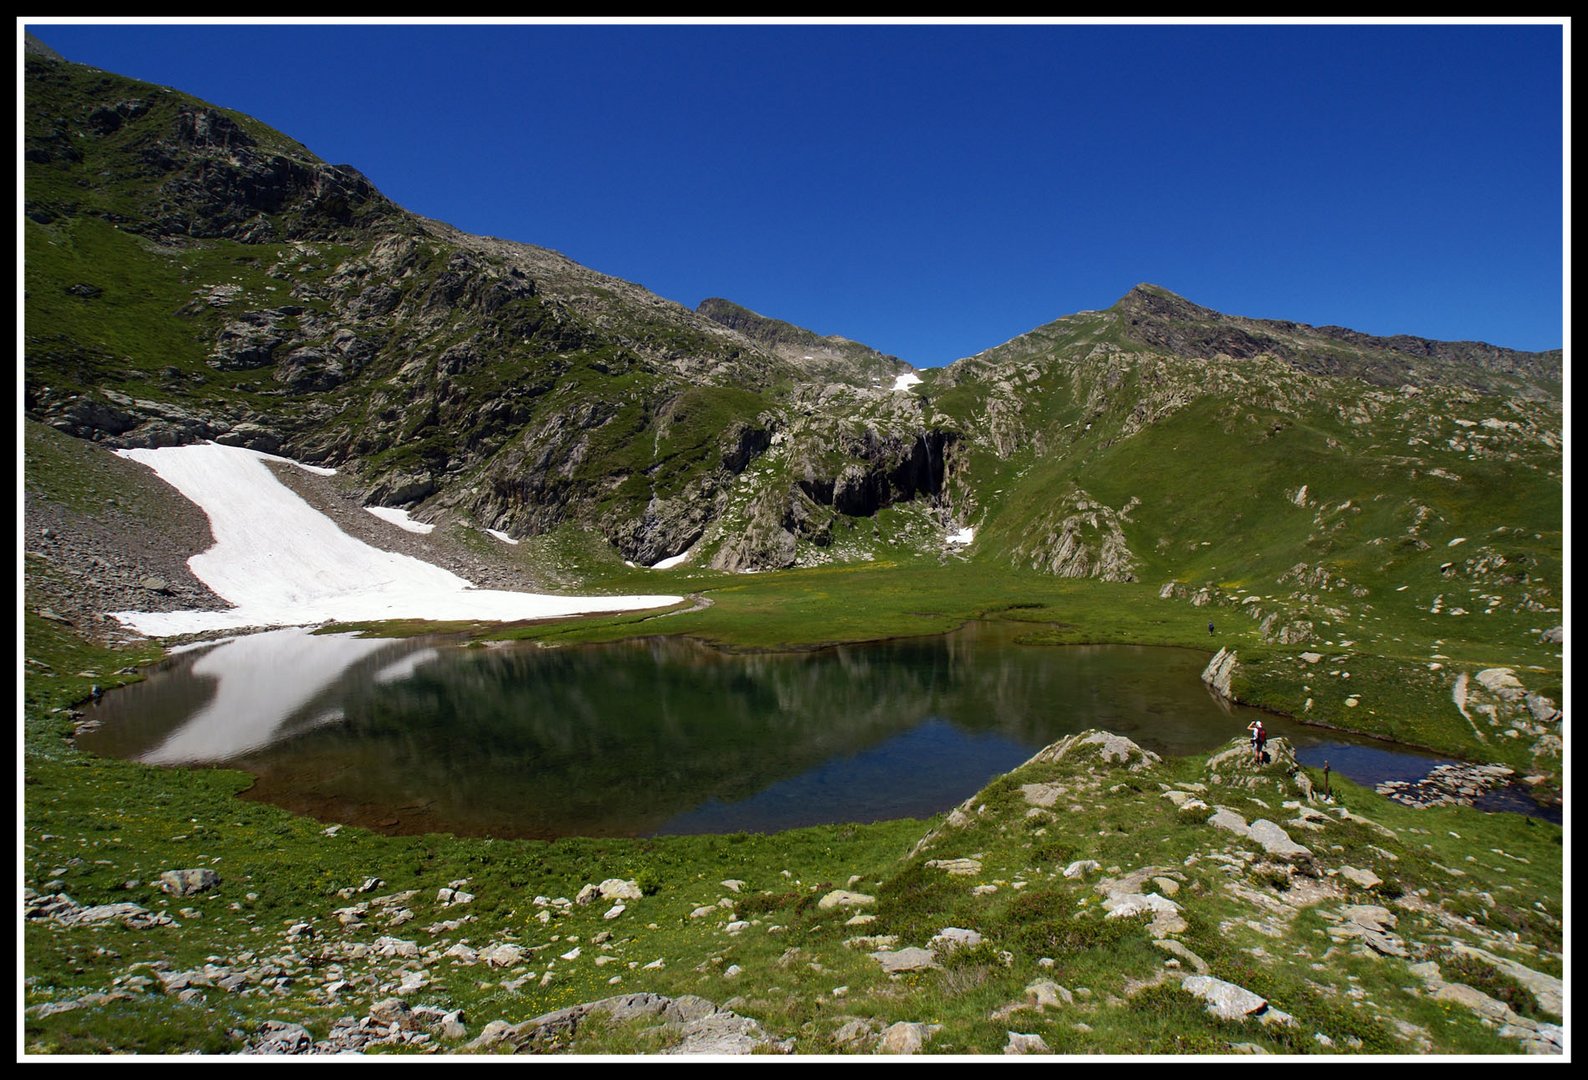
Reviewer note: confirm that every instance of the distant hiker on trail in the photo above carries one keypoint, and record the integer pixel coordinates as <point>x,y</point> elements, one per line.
<point>1210,629</point>
<point>1259,740</point>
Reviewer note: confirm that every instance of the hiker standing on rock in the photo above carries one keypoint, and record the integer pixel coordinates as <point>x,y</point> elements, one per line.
<point>1259,740</point>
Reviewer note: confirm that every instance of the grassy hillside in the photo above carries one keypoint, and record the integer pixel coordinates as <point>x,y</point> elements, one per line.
<point>1398,931</point>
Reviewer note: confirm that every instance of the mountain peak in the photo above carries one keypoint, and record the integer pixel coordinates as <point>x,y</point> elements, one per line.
<point>32,46</point>
<point>1158,302</point>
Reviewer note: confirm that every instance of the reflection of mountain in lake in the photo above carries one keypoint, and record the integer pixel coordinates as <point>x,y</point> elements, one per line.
<point>647,735</point>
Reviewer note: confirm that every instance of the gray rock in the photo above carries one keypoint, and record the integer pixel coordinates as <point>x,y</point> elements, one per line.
<point>1045,994</point>
<point>1025,1044</point>
<point>129,915</point>
<point>844,898</point>
<point>1367,879</point>
<point>954,937</point>
<point>394,1012</point>
<point>1502,683</point>
<point>251,437</point>
<point>1277,842</point>
<point>188,882</point>
<point>1225,1000</point>
<point>396,947</point>
<point>1043,795</point>
<point>1168,945</point>
<point>905,1037</point>
<point>956,867</point>
<point>1370,924</point>
<point>277,1037</point>
<point>854,1035</point>
<point>1220,671</point>
<point>911,959</point>
<point>502,955</point>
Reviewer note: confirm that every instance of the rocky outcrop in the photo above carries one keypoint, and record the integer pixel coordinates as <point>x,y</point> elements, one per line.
<point>1080,537</point>
<point>765,542</point>
<point>1220,672</point>
<point>1102,747</point>
<point>684,1025</point>
<point>880,469</point>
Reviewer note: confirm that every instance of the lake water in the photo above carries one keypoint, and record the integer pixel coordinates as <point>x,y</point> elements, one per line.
<point>660,735</point>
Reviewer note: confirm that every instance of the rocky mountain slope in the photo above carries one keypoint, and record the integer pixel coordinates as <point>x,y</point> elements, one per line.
<point>193,274</point>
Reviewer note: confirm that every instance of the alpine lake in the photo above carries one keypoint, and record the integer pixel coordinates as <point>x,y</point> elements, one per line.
<point>664,735</point>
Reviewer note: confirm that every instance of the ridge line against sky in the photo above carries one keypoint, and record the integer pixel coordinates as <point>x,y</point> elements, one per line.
<point>936,190</point>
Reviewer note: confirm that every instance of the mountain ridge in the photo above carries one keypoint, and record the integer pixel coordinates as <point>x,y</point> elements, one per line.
<point>500,385</point>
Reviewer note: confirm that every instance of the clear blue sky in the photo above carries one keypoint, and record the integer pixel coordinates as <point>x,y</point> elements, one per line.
<point>934,191</point>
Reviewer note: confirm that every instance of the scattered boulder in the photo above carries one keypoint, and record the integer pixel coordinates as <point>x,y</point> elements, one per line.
<point>911,959</point>
<point>906,1037</point>
<point>502,955</point>
<point>956,867</point>
<point>1225,1000</point>
<point>188,882</point>
<point>1045,994</point>
<point>1366,879</point>
<point>1370,924</point>
<point>844,898</point>
<point>1535,1037</point>
<point>953,937</point>
<point>394,1013</point>
<point>610,889</point>
<point>1025,1044</point>
<point>277,1037</point>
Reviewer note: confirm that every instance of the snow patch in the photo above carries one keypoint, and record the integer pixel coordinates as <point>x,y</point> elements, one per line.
<point>905,381</point>
<point>964,536</point>
<point>669,563</point>
<point>283,563</point>
<point>400,519</point>
<point>502,536</point>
